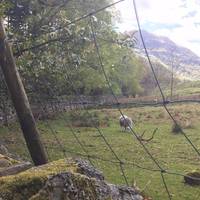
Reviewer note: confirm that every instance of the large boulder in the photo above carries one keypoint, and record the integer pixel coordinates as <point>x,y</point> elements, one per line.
<point>63,180</point>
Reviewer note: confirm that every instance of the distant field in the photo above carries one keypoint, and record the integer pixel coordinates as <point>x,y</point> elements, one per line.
<point>171,151</point>
<point>183,89</point>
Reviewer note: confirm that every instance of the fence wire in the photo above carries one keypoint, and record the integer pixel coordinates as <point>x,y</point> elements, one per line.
<point>162,170</point>
<point>164,102</point>
<point>121,163</point>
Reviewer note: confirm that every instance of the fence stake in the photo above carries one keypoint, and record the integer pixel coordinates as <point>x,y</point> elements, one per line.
<point>20,100</point>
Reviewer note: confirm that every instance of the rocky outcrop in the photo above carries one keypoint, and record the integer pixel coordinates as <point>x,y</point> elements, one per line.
<point>63,180</point>
<point>76,187</point>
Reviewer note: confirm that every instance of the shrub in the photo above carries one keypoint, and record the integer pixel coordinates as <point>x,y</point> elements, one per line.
<point>176,128</point>
<point>184,124</point>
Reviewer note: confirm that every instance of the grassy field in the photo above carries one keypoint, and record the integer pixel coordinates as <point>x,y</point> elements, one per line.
<point>172,151</point>
<point>183,89</point>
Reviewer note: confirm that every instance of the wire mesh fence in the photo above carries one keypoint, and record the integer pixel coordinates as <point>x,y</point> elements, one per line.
<point>98,146</point>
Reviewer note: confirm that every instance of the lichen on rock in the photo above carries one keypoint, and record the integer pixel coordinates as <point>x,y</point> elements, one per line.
<point>6,161</point>
<point>24,185</point>
<point>63,180</point>
<point>73,186</point>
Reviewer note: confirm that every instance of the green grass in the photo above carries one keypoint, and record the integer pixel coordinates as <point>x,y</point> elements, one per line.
<point>184,88</point>
<point>171,151</point>
<point>184,91</point>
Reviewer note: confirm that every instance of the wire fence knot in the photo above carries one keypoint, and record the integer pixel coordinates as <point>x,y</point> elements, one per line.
<point>163,171</point>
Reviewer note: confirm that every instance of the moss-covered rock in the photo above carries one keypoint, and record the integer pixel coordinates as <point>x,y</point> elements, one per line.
<point>73,186</point>
<point>26,184</point>
<point>6,161</point>
<point>63,180</point>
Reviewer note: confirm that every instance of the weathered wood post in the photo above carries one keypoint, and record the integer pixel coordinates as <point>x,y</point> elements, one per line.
<point>20,100</point>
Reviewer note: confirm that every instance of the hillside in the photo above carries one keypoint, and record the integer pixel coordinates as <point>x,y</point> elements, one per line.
<point>162,49</point>
<point>148,82</point>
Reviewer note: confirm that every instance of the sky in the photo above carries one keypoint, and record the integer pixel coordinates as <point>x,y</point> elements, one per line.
<point>177,19</point>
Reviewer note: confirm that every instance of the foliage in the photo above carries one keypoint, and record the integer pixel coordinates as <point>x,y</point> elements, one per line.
<point>4,6</point>
<point>49,50</point>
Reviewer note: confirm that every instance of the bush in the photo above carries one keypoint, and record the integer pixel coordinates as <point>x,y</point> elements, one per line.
<point>176,128</point>
<point>184,124</point>
<point>88,119</point>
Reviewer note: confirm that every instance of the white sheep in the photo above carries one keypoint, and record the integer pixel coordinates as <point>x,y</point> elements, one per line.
<point>125,122</point>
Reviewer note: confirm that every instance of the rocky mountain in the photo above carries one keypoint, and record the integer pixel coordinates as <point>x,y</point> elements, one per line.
<point>186,64</point>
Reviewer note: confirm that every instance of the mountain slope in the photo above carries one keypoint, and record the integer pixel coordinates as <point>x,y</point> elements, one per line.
<point>186,64</point>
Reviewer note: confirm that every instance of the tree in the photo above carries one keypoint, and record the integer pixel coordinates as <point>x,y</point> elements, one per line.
<point>47,46</point>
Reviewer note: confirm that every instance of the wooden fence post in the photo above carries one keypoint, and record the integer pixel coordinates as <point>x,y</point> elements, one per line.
<point>20,100</point>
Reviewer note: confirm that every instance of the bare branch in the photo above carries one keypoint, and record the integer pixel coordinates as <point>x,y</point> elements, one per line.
<point>149,139</point>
